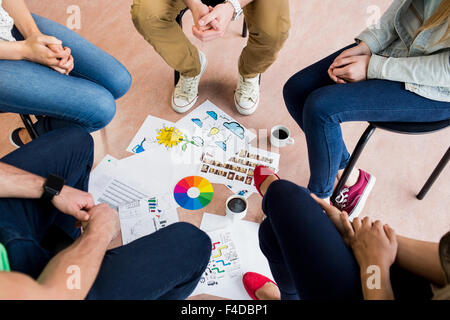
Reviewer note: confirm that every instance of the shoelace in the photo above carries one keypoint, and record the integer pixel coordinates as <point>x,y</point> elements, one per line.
<point>186,87</point>
<point>342,198</point>
<point>246,90</point>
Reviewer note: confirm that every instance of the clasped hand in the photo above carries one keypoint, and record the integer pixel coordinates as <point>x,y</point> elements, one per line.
<point>211,23</point>
<point>351,65</point>
<point>372,243</point>
<point>48,51</point>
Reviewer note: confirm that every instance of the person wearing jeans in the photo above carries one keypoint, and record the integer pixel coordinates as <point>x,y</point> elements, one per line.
<point>315,253</point>
<point>399,74</point>
<point>45,248</point>
<point>48,70</point>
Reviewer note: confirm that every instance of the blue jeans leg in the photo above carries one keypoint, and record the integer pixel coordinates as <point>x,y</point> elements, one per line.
<point>165,265</point>
<point>320,108</point>
<point>86,98</point>
<point>24,222</point>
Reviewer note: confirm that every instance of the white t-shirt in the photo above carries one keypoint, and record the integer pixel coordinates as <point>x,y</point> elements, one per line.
<point>6,25</point>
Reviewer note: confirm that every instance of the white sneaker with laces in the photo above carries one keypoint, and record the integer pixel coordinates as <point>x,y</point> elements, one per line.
<point>246,96</point>
<point>185,94</point>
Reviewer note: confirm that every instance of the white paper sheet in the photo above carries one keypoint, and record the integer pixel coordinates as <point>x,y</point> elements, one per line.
<point>222,135</point>
<point>160,134</point>
<point>240,247</point>
<point>108,184</point>
<point>237,172</point>
<point>143,217</point>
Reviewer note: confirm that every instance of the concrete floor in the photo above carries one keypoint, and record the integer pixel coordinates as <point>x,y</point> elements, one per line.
<point>401,163</point>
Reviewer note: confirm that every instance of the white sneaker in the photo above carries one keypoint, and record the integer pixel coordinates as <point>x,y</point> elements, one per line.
<point>246,96</point>
<point>185,94</point>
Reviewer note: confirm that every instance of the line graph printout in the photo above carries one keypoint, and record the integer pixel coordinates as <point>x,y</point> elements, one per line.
<point>223,276</point>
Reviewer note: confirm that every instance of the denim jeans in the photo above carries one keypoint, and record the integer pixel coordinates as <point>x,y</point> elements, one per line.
<point>319,106</point>
<point>86,97</point>
<point>164,265</point>
<point>307,255</point>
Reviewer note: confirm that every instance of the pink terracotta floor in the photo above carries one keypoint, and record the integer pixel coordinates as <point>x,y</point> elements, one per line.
<point>400,163</point>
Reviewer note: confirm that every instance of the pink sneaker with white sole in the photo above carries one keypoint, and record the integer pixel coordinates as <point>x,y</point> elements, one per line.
<point>352,199</point>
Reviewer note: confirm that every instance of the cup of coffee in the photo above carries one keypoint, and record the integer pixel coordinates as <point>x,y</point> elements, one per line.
<point>236,207</point>
<point>280,136</point>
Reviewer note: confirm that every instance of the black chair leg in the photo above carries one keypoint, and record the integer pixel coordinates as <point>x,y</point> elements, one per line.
<point>179,20</point>
<point>432,179</point>
<point>29,126</point>
<point>352,162</point>
<point>244,30</point>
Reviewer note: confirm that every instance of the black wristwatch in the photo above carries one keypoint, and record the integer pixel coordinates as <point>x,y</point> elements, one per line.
<point>52,187</point>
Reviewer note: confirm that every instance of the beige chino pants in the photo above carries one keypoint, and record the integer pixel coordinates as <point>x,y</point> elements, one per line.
<point>268,25</point>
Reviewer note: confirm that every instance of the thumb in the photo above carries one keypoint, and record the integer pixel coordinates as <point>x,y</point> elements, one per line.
<point>82,215</point>
<point>207,19</point>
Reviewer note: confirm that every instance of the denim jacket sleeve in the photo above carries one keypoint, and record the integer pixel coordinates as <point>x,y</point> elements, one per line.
<point>432,70</point>
<point>379,37</point>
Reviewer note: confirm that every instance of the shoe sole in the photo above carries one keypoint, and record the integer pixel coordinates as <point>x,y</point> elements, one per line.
<point>11,138</point>
<point>186,108</point>
<point>362,201</point>
<point>243,111</point>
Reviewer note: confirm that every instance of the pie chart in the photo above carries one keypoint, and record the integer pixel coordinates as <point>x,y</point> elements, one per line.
<point>193,193</point>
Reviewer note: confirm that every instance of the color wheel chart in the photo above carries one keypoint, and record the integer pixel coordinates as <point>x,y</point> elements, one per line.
<point>193,193</point>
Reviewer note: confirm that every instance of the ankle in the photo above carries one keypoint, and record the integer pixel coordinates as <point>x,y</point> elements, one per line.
<point>268,292</point>
<point>266,183</point>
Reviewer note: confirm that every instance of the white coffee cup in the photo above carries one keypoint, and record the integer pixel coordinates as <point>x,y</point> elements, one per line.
<point>236,207</point>
<point>280,136</point>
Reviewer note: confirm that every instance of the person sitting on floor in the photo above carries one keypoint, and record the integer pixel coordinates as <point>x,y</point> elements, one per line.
<point>316,253</point>
<point>43,194</point>
<point>54,73</point>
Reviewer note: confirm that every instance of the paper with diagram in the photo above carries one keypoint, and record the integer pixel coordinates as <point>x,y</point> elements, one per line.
<point>143,217</point>
<point>156,133</point>
<point>235,251</point>
<point>222,135</point>
<point>108,184</point>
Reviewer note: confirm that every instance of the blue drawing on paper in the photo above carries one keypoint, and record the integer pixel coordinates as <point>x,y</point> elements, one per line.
<point>212,114</point>
<point>139,148</point>
<point>235,128</point>
<point>198,122</point>
<point>222,145</point>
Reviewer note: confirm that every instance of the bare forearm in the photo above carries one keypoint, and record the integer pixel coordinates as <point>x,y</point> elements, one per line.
<point>23,20</point>
<point>71,274</point>
<point>13,50</point>
<point>420,258</point>
<point>16,183</point>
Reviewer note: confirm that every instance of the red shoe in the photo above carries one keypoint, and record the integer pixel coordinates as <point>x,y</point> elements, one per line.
<point>260,174</point>
<point>253,282</point>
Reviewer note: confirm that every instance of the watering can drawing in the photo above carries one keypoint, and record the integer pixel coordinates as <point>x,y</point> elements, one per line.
<point>139,148</point>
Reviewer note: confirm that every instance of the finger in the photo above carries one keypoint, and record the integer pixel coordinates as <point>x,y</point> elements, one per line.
<point>340,62</point>
<point>325,205</point>
<point>377,225</point>
<point>342,72</point>
<point>48,40</point>
<point>356,223</point>
<point>366,222</point>
<point>390,233</point>
<point>216,25</point>
<point>348,228</point>
<point>207,19</point>
<point>206,35</point>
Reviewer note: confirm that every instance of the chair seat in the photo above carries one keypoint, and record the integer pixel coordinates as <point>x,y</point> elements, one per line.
<point>412,127</point>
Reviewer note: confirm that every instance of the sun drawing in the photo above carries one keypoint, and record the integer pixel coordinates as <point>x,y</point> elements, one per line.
<point>170,137</point>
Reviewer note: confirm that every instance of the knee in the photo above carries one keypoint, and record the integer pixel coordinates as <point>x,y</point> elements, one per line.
<point>103,107</point>
<point>121,82</point>
<point>150,14</point>
<point>318,107</point>
<point>292,94</point>
<point>281,194</point>
<point>198,248</point>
